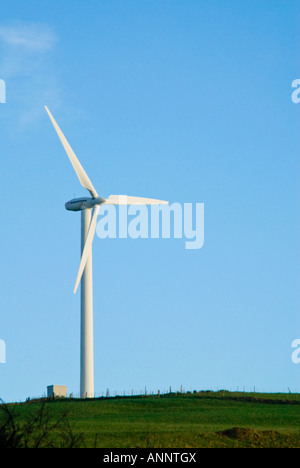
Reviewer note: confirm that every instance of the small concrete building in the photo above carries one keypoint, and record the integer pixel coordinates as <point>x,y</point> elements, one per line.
<point>56,391</point>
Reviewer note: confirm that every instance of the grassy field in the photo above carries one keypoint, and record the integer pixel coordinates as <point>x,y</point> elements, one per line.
<point>204,419</point>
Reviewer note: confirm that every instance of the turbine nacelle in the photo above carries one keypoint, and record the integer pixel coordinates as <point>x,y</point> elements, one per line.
<point>78,204</point>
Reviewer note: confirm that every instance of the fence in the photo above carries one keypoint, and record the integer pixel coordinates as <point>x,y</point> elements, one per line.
<point>238,391</point>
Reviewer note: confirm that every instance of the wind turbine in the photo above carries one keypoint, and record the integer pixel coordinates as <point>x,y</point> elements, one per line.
<point>89,207</point>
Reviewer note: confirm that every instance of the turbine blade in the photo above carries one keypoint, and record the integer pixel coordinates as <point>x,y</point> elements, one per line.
<point>81,174</point>
<point>125,200</point>
<point>87,246</point>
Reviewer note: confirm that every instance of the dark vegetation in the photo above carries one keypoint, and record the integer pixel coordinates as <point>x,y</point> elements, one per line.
<point>40,430</point>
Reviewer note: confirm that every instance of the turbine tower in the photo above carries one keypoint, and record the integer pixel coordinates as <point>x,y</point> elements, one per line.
<point>89,207</point>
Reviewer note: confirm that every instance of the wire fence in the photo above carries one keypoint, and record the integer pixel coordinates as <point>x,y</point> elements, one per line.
<point>144,392</point>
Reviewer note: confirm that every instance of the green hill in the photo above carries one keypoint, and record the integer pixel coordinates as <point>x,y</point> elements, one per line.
<point>204,419</point>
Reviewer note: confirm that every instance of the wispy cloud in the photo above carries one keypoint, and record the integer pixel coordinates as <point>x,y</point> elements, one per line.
<point>27,64</point>
<point>29,37</point>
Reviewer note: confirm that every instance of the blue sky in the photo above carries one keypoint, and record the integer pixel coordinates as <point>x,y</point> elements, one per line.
<point>188,101</point>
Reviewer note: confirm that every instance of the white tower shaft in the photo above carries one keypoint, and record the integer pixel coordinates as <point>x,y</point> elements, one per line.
<point>87,339</point>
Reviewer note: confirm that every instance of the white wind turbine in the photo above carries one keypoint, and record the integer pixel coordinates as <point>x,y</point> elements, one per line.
<point>89,207</point>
